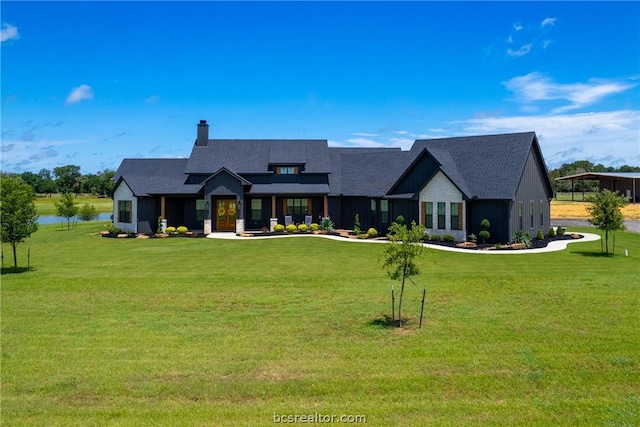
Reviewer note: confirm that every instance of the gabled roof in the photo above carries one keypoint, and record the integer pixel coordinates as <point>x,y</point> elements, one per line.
<point>247,156</point>
<point>227,171</point>
<point>156,176</point>
<point>483,167</point>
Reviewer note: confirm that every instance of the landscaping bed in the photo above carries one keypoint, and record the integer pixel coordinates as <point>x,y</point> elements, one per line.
<point>535,243</point>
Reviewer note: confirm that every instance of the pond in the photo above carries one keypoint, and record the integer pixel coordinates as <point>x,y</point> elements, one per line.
<point>53,219</point>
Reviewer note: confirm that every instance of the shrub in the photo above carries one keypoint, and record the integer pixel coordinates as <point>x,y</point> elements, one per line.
<point>448,238</point>
<point>113,229</point>
<point>170,229</point>
<point>291,228</point>
<point>88,212</point>
<point>182,229</point>
<point>497,246</point>
<point>484,235</point>
<point>372,232</point>
<point>159,229</point>
<point>522,237</point>
<point>399,220</point>
<point>314,227</point>
<point>362,236</point>
<point>472,238</point>
<point>356,224</point>
<point>540,235</point>
<point>425,236</point>
<point>560,231</point>
<point>552,232</point>
<point>327,225</point>
<point>435,238</point>
<point>278,228</point>
<point>303,227</point>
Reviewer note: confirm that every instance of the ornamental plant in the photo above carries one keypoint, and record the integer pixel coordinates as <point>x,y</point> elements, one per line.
<point>291,228</point>
<point>552,232</point>
<point>182,229</point>
<point>171,229</point>
<point>372,232</point>
<point>314,227</point>
<point>540,235</point>
<point>278,228</point>
<point>303,227</point>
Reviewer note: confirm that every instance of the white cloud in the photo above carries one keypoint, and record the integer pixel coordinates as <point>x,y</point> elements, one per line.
<point>520,52</point>
<point>364,142</point>
<point>401,132</point>
<point>364,134</point>
<point>535,87</point>
<point>548,22</point>
<point>79,93</point>
<point>8,32</point>
<point>517,26</point>
<point>611,138</point>
<point>404,143</point>
<point>152,99</point>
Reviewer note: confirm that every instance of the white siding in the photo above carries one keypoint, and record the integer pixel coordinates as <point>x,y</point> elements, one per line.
<point>123,192</point>
<point>440,189</point>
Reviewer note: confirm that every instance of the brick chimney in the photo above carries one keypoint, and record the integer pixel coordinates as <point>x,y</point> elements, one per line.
<point>203,133</point>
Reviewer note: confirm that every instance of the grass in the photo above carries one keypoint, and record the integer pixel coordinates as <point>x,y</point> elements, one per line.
<point>206,332</point>
<point>46,205</point>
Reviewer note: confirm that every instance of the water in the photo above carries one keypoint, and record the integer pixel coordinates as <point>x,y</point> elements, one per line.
<point>52,219</point>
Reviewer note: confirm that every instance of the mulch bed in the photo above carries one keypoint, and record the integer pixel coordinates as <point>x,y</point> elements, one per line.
<point>535,243</point>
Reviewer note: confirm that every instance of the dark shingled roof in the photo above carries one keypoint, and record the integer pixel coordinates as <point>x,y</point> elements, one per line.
<point>366,172</point>
<point>156,176</point>
<point>486,167</point>
<point>255,155</point>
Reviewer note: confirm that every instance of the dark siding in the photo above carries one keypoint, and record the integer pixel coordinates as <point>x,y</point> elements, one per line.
<point>409,209</point>
<point>532,187</point>
<point>265,214</point>
<point>335,209</point>
<point>149,210</point>
<point>497,212</point>
<point>419,173</point>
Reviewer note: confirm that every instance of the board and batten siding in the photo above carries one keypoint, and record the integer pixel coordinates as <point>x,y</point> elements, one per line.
<point>441,189</point>
<point>532,190</point>
<point>123,192</point>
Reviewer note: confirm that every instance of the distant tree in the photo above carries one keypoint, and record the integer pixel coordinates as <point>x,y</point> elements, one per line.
<point>66,208</point>
<point>32,179</point>
<point>605,213</point>
<point>68,178</point>
<point>90,184</point>
<point>18,213</point>
<point>47,183</point>
<point>106,181</point>
<point>400,253</point>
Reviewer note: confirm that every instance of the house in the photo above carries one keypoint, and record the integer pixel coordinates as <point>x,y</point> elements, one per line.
<point>448,185</point>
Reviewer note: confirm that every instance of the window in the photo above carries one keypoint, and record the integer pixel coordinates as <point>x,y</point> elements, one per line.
<point>374,212</point>
<point>520,213</point>
<point>297,206</point>
<point>427,210</point>
<point>287,170</point>
<point>456,216</point>
<point>256,209</point>
<point>531,213</point>
<point>541,213</point>
<point>200,210</point>
<point>442,212</point>
<point>124,211</point>
<point>384,210</point>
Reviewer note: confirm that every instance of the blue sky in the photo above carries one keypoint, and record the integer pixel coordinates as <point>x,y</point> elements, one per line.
<point>90,83</point>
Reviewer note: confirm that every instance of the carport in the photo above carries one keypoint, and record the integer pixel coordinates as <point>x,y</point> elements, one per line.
<point>625,183</point>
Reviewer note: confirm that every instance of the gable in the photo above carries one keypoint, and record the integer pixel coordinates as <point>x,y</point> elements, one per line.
<point>423,168</point>
<point>440,189</point>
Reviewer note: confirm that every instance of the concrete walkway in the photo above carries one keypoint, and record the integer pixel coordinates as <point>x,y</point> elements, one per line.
<point>551,247</point>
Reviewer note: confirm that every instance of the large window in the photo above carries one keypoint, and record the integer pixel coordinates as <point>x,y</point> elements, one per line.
<point>520,213</point>
<point>384,211</point>
<point>200,210</point>
<point>374,212</point>
<point>456,216</point>
<point>297,206</point>
<point>442,213</point>
<point>287,170</point>
<point>124,211</point>
<point>427,209</point>
<point>256,209</point>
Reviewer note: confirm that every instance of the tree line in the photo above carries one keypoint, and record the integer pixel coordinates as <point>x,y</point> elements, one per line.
<point>67,179</point>
<point>582,166</point>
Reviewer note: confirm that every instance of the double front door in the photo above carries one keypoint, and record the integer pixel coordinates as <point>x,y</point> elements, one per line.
<point>226,214</point>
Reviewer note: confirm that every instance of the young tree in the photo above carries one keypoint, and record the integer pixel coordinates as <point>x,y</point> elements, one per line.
<point>18,213</point>
<point>605,213</point>
<point>400,254</point>
<point>88,212</point>
<point>66,208</point>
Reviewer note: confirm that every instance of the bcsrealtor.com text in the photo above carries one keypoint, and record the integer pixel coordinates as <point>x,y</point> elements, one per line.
<point>318,418</point>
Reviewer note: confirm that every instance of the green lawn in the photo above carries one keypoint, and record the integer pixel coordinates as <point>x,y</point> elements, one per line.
<point>201,332</point>
<point>46,205</point>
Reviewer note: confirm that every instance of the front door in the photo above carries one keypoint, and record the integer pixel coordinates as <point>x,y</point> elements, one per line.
<point>226,212</point>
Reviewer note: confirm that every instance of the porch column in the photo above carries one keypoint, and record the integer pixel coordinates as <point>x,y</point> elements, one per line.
<point>273,206</point>
<point>162,213</point>
<point>326,207</point>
